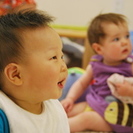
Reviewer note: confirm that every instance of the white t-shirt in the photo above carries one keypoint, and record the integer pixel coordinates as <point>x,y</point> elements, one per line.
<point>52,120</point>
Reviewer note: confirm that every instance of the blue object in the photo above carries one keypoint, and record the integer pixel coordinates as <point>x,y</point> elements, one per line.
<point>73,74</point>
<point>4,125</point>
<point>131,38</point>
<point>70,80</point>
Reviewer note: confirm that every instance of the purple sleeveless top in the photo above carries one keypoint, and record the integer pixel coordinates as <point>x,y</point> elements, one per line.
<point>99,89</point>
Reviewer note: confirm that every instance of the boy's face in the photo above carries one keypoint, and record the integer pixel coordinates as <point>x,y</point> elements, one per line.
<point>116,45</point>
<point>44,72</point>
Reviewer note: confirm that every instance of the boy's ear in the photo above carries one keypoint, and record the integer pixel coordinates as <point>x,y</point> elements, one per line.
<point>12,73</point>
<point>97,48</point>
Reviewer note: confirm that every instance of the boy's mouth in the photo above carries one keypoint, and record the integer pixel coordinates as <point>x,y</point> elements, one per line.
<point>60,84</point>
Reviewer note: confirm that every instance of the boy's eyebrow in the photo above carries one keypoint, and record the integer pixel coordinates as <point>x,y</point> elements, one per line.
<point>55,47</point>
<point>52,48</point>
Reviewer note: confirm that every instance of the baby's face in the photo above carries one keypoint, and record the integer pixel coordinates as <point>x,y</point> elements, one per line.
<point>44,70</point>
<point>116,45</point>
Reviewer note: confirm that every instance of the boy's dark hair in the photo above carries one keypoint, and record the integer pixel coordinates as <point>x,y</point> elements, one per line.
<point>11,25</point>
<point>96,30</point>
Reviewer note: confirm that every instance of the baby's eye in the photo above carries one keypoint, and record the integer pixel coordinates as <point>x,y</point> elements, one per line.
<point>116,39</point>
<point>127,36</point>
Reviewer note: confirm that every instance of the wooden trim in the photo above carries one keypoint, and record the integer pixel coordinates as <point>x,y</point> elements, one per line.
<point>71,33</point>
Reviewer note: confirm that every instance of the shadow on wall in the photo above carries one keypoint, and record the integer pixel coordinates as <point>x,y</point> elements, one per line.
<point>73,53</point>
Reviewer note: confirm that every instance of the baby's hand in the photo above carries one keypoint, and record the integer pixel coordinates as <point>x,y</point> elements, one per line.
<point>67,104</point>
<point>124,89</point>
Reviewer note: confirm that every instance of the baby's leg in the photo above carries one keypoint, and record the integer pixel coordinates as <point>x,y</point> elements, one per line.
<point>88,121</point>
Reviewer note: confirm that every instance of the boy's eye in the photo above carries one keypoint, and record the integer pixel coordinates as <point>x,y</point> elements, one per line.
<point>62,57</point>
<point>54,57</point>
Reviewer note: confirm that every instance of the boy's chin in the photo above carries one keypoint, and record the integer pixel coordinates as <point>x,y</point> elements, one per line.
<point>57,96</point>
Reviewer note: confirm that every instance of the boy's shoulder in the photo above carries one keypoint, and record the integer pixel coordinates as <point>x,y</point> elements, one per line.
<point>54,103</point>
<point>4,125</point>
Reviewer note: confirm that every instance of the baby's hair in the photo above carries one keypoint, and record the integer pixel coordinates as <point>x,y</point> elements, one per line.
<point>96,30</point>
<point>11,42</point>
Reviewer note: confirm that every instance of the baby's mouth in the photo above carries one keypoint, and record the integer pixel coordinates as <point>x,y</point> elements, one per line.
<point>126,50</point>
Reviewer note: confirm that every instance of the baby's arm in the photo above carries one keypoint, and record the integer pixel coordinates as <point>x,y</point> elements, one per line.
<point>121,87</point>
<point>124,89</point>
<point>77,89</point>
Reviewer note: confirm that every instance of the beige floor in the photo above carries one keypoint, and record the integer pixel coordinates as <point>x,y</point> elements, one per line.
<point>93,132</point>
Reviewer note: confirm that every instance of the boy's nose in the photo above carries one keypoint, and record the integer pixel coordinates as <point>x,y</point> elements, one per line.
<point>64,66</point>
